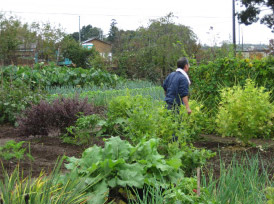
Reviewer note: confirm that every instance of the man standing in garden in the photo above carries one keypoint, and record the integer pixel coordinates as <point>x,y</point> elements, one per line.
<point>176,86</point>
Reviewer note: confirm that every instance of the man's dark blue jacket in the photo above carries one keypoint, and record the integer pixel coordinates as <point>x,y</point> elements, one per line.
<point>176,86</point>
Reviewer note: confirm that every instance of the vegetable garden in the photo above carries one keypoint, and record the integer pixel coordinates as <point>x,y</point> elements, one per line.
<point>115,139</point>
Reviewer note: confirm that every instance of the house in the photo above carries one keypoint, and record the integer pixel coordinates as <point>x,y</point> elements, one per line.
<point>104,48</point>
<point>253,53</point>
<point>25,54</point>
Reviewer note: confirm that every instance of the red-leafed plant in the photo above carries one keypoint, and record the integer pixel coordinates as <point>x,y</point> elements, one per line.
<point>46,116</point>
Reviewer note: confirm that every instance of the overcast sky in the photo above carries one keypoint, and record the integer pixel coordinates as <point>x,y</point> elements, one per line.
<point>199,15</point>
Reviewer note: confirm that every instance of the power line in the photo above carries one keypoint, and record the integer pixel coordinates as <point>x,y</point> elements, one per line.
<point>111,15</point>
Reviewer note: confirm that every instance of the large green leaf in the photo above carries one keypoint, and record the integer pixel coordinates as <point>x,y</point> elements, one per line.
<point>100,193</point>
<point>116,148</point>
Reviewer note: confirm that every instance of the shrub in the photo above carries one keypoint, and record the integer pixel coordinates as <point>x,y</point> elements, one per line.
<point>14,99</point>
<point>208,79</point>
<point>44,117</point>
<point>245,112</point>
<point>269,195</point>
<point>76,52</point>
<point>120,108</point>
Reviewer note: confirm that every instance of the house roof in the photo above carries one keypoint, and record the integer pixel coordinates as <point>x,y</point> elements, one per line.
<point>95,38</point>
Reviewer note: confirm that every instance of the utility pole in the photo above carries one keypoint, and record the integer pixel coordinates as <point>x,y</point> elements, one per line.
<point>242,41</point>
<point>233,26</point>
<point>79,32</point>
<point>239,34</point>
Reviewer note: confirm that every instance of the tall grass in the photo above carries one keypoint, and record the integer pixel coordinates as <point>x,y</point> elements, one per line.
<point>242,181</point>
<point>17,189</point>
<point>149,195</point>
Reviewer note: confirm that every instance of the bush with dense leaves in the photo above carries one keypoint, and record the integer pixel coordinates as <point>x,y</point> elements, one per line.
<point>209,79</point>
<point>16,97</point>
<point>45,117</point>
<point>245,112</point>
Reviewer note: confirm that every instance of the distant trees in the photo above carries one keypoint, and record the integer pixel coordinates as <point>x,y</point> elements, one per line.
<point>47,40</point>
<point>252,10</point>
<point>12,33</point>
<point>16,36</point>
<point>113,31</point>
<point>87,32</point>
<point>151,52</point>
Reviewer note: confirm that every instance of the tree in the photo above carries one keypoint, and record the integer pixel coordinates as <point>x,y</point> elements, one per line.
<point>76,53</point>
<point>151,52</point>
<point>87,32</point>
<point>48,38</point>
<point>14,35</point>
<point>252,10</point>
<point>113,31</point>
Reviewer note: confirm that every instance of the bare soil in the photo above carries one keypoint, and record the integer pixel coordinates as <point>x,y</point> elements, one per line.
<point>229,148</point>
<point>46,150</point>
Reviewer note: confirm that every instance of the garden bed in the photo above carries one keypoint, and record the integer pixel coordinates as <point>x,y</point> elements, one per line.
<point>45,151</point>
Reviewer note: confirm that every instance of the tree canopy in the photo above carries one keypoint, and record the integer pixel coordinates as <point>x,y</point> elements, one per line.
<point>253,9</point>
<point>151,52</point>
<point>87,32</point>
<point>76,53</point>
<point>16,36</point>
<point>112,31</point>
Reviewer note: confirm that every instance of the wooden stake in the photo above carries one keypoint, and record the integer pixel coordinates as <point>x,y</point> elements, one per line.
<point>198,181</point>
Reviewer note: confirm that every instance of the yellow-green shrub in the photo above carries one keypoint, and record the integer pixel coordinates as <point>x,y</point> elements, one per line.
<point>245,112</point>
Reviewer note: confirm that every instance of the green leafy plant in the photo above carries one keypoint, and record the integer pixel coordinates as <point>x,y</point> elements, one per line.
<point>270,195</point>
<point>13,150</point>
<point>52,75</point>
<point>194,123</point>
<point>76,52</point>
<point>245,112</point>
<point>85,128</point>
<point>143,117</point>
<point>185,191</point>
<point>212,76</point>
<point>190,156</point>
<point>16,97</point>
<point>120,164</point>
